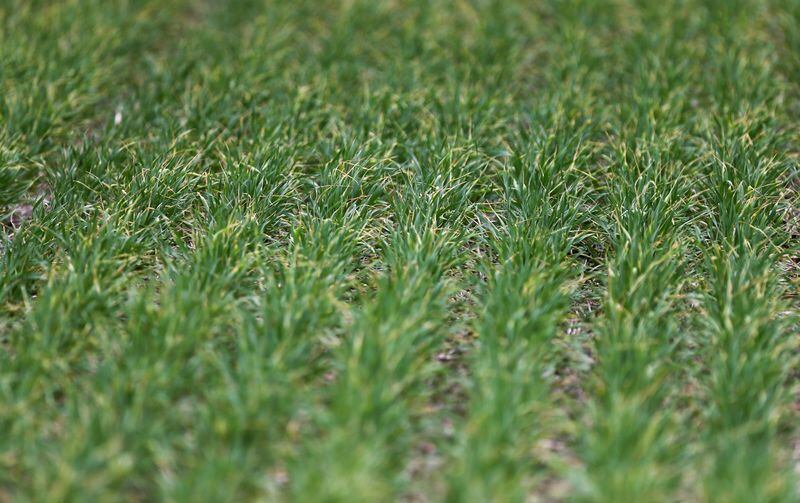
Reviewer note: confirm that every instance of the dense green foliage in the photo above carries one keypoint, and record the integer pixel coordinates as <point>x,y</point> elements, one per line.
<point>365,250</point>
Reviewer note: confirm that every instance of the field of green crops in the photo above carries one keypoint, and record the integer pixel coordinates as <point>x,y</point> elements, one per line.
<point>400,250</point>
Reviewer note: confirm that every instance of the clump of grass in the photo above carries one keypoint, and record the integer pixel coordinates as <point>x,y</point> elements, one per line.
<point>525,299</point>
<point>745,330</point>
<point>630,450</point>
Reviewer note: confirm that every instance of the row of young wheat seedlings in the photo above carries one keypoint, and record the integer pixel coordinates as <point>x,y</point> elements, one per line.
<point>382,362</point>
<point>524,300</point>
<point>635,448</point>
<point>745,337</point>
<point>629,448</point>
